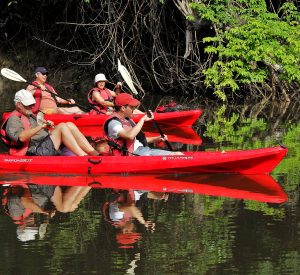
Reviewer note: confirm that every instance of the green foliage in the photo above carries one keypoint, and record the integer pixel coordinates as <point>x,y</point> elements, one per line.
<point>276,213</point>
<point>249,43</point>
<point>232,129</point>
<point>290,164</point>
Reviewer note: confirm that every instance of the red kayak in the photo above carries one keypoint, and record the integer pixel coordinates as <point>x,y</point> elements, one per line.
<point>184,135</point>
<point>179,118</point>
<point>252,187</point>
<point>255,161</point>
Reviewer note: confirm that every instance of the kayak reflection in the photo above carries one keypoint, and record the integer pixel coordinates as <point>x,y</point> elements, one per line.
<point>253,187</point>
<point>32,200</point>
<point>31,206</point>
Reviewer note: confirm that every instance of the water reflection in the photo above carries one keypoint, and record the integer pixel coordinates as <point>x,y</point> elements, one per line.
<point>31,206</point>
<point>123,210</point>
<point>32,200</point>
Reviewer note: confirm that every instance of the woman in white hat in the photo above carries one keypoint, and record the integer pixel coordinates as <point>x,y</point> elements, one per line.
<point>101,97</point>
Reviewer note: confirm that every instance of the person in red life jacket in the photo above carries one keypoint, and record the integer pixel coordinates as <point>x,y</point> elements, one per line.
<point>45,101</point>
<point>29,138</point>
<point>120,129</point>
<point>101,97</point>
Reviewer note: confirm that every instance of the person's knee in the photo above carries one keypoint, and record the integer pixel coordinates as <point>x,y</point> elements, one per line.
<point>61,125</point>
<point>71,125</point>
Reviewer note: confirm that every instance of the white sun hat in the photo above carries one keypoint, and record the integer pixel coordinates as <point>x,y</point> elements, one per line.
<point>100,77</point>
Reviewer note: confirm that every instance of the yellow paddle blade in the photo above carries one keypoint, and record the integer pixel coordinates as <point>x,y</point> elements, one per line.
<point>12,75</point>
<point>127,77</point>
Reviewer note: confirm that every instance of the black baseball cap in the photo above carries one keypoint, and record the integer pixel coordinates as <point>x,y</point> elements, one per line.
<point>42,70</point>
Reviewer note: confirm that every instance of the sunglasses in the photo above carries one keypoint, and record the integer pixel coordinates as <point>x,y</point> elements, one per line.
<point>44,73</point>
<point>28,106</point>
<point>131,107</point>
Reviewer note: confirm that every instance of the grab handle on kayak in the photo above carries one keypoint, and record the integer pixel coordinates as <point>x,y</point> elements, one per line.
<point>95,161</point>
<point>76,117</point>
<point>95,183</point>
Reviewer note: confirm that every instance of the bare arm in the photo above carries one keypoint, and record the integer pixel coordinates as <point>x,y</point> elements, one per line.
<point>156,139</point>
<point>132,133</point>
<point>30,204</point>
<point>27,134</point>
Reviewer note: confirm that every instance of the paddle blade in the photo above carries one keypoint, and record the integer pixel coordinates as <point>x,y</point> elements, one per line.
<point>127,77</point>
<point>12,75</point>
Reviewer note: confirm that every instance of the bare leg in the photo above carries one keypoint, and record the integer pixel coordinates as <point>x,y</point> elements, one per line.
<point>79,197</point>
<point>70,110</point>
<point>68,201</point>
<point>80,139</point>
<point>62,134</point>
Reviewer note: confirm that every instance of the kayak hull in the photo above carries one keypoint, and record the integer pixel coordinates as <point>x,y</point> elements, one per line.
<point>256,161</point>
<point>179,118</point>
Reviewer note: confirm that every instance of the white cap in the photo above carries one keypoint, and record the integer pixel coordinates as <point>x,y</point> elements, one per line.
<point>100,77</point>
<point>25,97</point>
<point>27,234</point>
<point>114,212</point>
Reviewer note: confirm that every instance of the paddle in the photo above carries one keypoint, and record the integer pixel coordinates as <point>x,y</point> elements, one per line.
<point>127,78</point>
<point>12,75</point>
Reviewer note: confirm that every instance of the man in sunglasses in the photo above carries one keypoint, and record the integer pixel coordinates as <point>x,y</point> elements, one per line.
<point>45,101</point>
<point>124,136</point>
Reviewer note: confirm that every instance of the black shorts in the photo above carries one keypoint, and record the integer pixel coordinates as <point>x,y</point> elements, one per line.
<point>44,148</point>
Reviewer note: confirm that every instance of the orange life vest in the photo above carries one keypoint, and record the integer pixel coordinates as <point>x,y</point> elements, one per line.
<point>38,96</point>
<point>104,93</point>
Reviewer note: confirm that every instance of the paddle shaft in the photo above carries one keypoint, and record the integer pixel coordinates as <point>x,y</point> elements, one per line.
<point>160,132</point>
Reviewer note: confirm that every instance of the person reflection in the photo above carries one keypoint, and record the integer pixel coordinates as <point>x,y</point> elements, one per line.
<point>122,210</point>
<point>31,206</point>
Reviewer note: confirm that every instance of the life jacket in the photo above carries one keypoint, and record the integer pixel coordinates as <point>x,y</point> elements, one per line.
<point>38,96</point>
<point>15,148</point>
<point>125,146</point>
<point>104,93</point>
<point>14,191</point>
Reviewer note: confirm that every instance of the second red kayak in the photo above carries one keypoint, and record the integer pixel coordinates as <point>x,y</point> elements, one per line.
<point>179,118</point>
